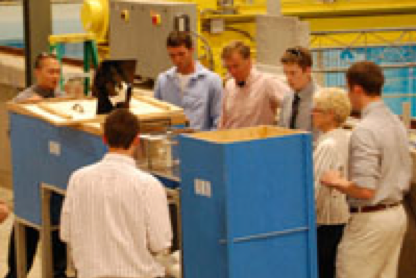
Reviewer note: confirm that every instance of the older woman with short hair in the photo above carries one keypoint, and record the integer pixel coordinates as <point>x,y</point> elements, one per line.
<point>331,109</point>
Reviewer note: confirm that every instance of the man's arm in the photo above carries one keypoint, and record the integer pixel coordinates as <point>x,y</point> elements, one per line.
<point>335,180</point>
<point>65,221</point>
<point>215,101</point>
<point>158,225</point>
<point>284,107</point>
<point>277,90</point>
<point>364,167</point>
<point>157,91</point>
<point>223,115</point>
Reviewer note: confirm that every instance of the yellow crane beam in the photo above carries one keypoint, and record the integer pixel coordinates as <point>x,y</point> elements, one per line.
<point>325,8</point>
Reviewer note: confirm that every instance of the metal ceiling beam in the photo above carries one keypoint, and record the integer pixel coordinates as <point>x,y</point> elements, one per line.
<point>37,17</point>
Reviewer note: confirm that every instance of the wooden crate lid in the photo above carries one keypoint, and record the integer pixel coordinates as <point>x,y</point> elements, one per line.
<point>82,112</point>
<point>244,134</point>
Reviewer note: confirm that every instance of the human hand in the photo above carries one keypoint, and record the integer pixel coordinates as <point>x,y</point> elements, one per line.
<point>4,212</point>
<point>333,179</point>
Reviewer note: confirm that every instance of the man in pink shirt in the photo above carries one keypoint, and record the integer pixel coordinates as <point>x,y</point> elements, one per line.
<point>251,98</point>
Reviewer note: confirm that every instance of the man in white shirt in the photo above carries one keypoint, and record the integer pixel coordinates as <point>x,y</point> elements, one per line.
<point>115,217</point>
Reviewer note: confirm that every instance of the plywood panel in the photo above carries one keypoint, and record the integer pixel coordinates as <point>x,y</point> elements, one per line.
<point>67,112</point>
<point>245,134</point>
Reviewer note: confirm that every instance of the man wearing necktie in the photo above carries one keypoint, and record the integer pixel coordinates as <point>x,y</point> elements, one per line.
<point>251,97</point>
<point>297,105</point>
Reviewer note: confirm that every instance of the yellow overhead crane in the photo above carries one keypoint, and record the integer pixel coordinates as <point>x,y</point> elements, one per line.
<point>238,19</point>
<point>350,15</point>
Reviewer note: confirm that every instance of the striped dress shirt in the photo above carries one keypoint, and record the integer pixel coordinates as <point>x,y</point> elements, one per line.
<point>115,218</point>
<point>331,153</point>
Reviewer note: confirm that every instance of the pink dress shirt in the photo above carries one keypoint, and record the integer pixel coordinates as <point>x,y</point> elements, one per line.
<point>253,104</point>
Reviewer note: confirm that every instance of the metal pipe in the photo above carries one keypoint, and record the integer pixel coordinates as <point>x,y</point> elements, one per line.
<point>340,70</point>
<point>208,47</point>
<point>354,31</point>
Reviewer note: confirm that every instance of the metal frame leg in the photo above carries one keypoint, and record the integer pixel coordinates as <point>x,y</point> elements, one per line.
<point>20,243</point>
<point>47,258</point>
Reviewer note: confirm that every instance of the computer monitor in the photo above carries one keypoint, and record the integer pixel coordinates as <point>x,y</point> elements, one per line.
<point>112,84</point>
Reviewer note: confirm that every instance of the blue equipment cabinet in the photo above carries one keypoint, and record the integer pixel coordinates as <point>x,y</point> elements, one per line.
<point>44,153</point>
<point>248,204</point>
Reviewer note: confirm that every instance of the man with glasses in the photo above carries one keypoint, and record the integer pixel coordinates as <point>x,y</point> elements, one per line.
<point>297,106</point>
<point>251,98</point>
<point>47,74</point>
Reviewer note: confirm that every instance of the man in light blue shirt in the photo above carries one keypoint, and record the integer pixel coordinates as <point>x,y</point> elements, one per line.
<point>189,84</point>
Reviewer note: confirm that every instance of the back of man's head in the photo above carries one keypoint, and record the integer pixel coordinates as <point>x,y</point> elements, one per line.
<point>178,39</point>
<point>121,127</point>
<point>368,75</point>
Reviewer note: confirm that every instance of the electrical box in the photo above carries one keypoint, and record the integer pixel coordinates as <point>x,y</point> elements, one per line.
<point>139,29</point>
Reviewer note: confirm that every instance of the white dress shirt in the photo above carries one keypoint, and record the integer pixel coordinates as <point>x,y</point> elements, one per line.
<point>331,153</point>
<point>115,217</point>
<point>380,157</point>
